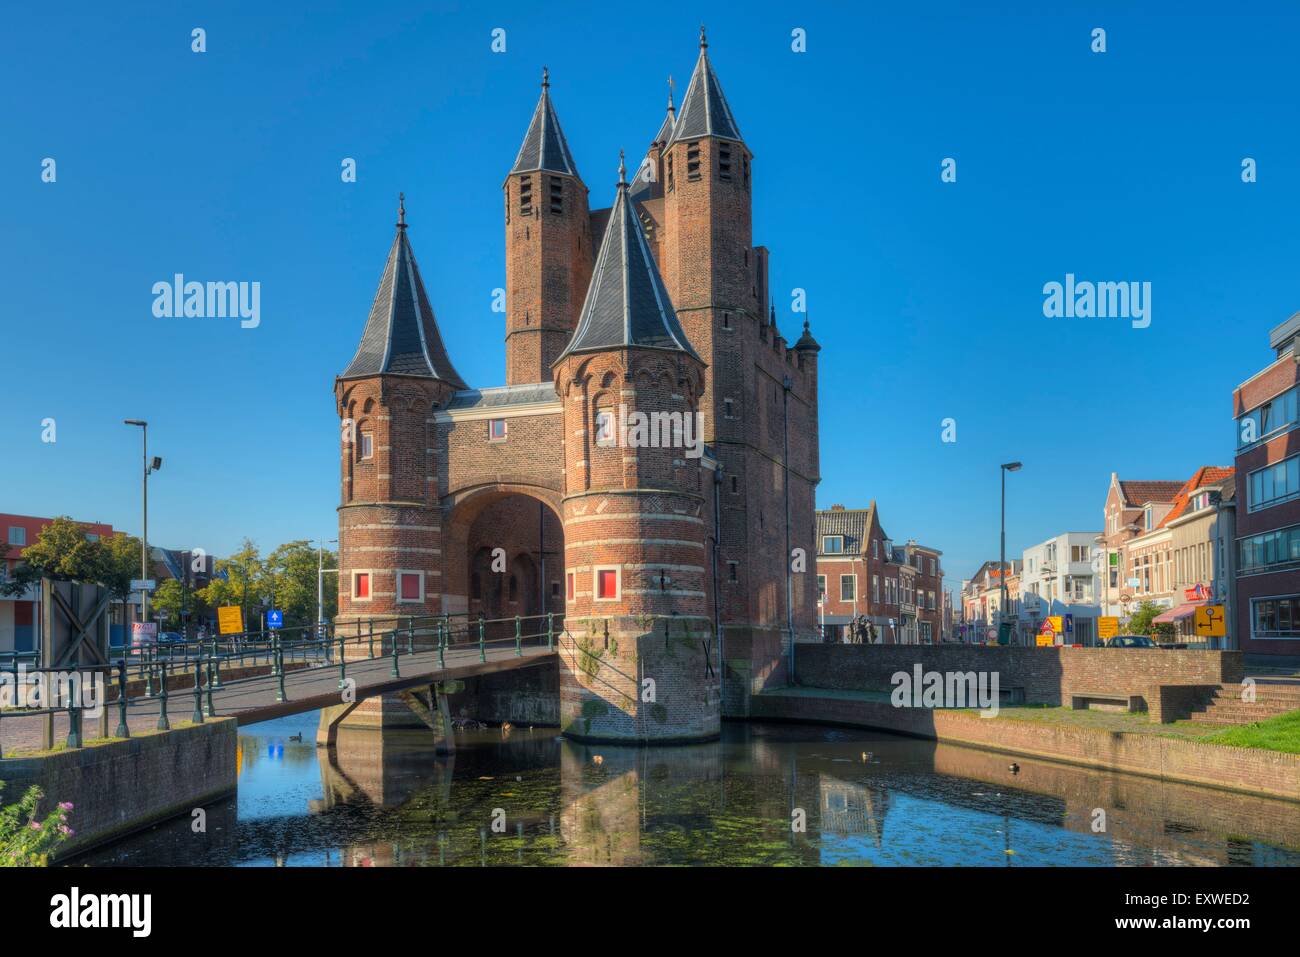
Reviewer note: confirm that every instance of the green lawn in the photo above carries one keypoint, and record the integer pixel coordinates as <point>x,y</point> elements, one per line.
<point>1275,734</point>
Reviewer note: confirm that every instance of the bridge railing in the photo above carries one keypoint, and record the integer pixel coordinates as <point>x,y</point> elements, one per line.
<point>164,671</point>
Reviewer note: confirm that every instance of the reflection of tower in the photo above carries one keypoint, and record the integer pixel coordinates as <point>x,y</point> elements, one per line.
<point>635,664</point>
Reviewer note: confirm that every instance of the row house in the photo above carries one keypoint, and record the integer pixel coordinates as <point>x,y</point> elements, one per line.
<point>981,597</point>
<point>1059,579</point>
<point>862,573</point>
<point>1266,611</point>
<point>1133,509</point>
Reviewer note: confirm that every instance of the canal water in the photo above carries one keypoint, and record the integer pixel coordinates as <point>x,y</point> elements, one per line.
<point>763,795</point>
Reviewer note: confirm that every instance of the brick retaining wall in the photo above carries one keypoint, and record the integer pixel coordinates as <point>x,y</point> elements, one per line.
<point>1248,770</point>
<point>120,786</point>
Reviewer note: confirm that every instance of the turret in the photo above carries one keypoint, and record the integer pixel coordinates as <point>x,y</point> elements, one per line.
<point>548,246</point>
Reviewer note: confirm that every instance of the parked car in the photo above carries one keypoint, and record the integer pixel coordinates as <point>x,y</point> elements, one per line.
<point>1131,641</point>
<point>171,638</point>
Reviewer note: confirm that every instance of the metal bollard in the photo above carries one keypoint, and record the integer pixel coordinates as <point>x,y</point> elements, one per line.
<point>410,636</point>
<point>279,670</point>
<point>74,723</point>
<point>550,631</point>
<point>212,712</point>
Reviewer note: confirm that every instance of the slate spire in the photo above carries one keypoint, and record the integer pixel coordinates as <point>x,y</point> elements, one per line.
<point>626,304</point>
<point>544,146</point>
<point>704,109</point>
<point>401,335</point>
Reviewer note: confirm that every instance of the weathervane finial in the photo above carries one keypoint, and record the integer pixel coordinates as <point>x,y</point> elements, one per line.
<point>546,78</point>
<point>704,44</point>
<point>622,170</point>
<point>401,210</point>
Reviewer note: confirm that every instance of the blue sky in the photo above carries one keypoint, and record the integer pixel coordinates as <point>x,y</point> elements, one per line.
<point>926,296</point>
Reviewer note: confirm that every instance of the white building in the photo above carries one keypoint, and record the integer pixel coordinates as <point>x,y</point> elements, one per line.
<point>1060,577</point>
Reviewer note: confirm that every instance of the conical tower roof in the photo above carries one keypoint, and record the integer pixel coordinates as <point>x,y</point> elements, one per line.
<point>401,335</point>
<point>704,109</point>
<point>544,146</point>
<point>627,304</point>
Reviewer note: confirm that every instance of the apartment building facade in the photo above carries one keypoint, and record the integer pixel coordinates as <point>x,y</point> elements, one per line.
<point>1059,578</point>
<point>1267,474</point>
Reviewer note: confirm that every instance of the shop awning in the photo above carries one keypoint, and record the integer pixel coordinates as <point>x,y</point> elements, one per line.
<point>1185,610</point>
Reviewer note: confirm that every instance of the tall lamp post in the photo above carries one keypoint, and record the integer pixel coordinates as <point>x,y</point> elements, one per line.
<point>1002,568</point>
<point>320,579</point>
<point>149,466</point>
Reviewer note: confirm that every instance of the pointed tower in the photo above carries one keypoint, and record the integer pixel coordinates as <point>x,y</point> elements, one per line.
<point>708,262</point>
<point>638,662</point>
<point>647,180</point>
<point>389,515</point>
<point>548,246</point>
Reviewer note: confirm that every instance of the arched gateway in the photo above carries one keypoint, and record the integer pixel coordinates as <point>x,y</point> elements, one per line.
<point>648,470</point>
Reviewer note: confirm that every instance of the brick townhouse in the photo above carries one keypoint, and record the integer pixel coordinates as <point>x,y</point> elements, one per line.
<point>860,571</point>
<point>1267,607</point>
<point>981,597</point>
<point>1133,509</point>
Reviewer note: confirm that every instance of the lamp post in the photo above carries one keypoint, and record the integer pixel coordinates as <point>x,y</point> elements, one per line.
<point>320,579</point>
<point>149,466</point>
<point>1002,558</point>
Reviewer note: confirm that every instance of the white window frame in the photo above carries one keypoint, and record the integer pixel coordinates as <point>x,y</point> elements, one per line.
<point>605,438</point>
<point>22,533</point>
<point>505,430</point>
<point>366,445</point>
<point>400,573</point>
<point>370,572</point>
<point>853,578</point>
<point>827,549</point>
<point>618,582</point>
<point>821,587</point>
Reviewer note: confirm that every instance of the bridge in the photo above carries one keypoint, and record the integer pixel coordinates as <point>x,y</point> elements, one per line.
<point>256,676</point>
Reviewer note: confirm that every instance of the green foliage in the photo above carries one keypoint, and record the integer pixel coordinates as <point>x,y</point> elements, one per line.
<point>1140,621</point>
<point>589,657</point>
<point>168,600</point>
<point>287,577</point>
<point>25,841</point>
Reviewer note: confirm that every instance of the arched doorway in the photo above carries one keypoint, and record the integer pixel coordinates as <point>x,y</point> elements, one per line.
<point>504,557</point>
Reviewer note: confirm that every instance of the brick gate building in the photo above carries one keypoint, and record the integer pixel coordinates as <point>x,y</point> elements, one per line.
<point>666,548</point>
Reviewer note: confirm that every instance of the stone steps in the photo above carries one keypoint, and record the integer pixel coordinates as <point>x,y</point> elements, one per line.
<point>1225,705</point>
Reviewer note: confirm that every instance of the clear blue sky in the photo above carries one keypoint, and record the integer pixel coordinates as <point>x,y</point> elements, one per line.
<point>926,297</point>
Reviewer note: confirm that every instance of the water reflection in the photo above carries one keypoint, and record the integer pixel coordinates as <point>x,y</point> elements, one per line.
<point>531,798</point>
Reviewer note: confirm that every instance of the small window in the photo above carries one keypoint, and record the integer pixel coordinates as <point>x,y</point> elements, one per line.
<point>821,587</point>
<point>693,160</point>
<point>514,588</point>
<point>367,445</point>
<point>848,587</point>
<point>744,163</point>
<point>735,485</point>
<point>604,428</point>
<point>607,584</point>
<point>875,548</point>
<point>727,409</point>
<point>569,586</point>
<point>833,544</point>
<point>92,537</point>
<point>726,320</point>
<point>557,195</point>
<point>525,196</point>
<point>670,172</point>
<point>496,430</point>
<point>361,586</point>
<point>17,535</point>
<point>555,589</point>
<point>410,586</point>
<point>733,569</point>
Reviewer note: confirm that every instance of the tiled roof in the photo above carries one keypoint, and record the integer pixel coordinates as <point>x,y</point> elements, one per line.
<point>544,146</point>
<point>401,335</point>
<point>1139,493</point>
<point>627,303</point>
<point>1206,475</point>
<point>851,523</point>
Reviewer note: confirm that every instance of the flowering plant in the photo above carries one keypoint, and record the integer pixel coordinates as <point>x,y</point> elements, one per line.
<point>26,841</point>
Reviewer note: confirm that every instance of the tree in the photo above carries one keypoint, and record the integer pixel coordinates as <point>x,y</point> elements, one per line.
<point>63,552</point>
<point>169,600</point>
<point>1142,622</point>
<point>240,580</point>
<point>292,572</point>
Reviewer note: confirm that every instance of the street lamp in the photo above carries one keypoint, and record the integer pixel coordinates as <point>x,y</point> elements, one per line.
<point>1002,568</point>
<point>320,579</point>
<point>150,465</point>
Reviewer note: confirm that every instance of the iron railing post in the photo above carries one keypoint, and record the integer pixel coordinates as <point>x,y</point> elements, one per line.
<point>212,713</point>
<point>442,642</point>
<point>395,673</point>
<point>279,670</point>
<point>197,717</point>
<point>123,731</point>
<point>519,648</point>
<point>163,723</point>
<point>410,636</point>
<point>343,666</point>
<point>482,651</point>
<point>74,720</point>
<point>550,631</point>
<point>370,629</point>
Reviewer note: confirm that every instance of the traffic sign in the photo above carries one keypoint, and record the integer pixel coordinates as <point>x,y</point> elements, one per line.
<point>1210,621</point>
<point>275,619</point>
<point>143,584</point>
<point>230,619</point>
<point>1069,624</point>
<point>1107,626</point>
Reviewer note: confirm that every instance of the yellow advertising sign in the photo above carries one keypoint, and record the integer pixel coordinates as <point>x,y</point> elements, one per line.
<point>1107,627</point>
<point>230,619</point>
<point>1210,621</point>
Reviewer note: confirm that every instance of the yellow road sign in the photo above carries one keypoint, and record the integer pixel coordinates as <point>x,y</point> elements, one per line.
<point>230,619</point>
<point>1107,626</point>
<point>1211,622</point>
